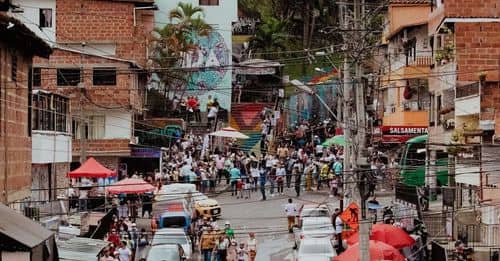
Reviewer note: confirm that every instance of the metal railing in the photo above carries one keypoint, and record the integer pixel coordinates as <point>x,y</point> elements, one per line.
<point>421,61</point>
<point>467,90</point>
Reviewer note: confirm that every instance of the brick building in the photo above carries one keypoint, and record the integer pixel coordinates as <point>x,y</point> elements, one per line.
<point>465,101</point>
<point>18,45</point>
<point>99,61</point>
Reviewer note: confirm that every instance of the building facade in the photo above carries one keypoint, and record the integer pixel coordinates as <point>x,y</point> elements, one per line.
<point>404,85</point>
<point>464,104</point>
<point>18,45</point>
<point>99,63</point>
<point>215,50</point>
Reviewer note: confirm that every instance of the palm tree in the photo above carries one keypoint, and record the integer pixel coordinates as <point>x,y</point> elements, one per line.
<point>269,38</point>
<point>190,18</point>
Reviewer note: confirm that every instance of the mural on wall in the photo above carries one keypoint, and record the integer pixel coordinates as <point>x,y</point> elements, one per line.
<point>214,57</point>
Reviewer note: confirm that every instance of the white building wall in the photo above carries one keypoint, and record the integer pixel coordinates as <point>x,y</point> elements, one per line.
<point>118,125</point>
<point>50,147</point>
<point>31,17</point>
<point>397,50</point>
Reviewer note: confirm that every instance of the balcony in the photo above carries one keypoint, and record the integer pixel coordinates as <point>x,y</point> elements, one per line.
<point>421,61</point>
<point>467,99</point>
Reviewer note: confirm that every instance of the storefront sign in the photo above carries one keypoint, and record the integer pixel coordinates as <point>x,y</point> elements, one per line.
<point>145,152</point>
<point>401,134</point>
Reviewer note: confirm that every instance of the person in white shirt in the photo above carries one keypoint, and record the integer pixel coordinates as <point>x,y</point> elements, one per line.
<point>255,174</point>
<point>251,246</point>
<point>291,212</point>
<point>280,178</point>
<point>124,252</point>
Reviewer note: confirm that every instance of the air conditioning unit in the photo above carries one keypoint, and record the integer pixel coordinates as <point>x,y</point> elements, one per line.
<point>134,140</point>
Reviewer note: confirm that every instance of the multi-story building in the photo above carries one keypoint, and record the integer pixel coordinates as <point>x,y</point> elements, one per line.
<point>99,61</point>
<point>466,51</point>
<point>214,50</point>
<point>404,84</point>
<point>18,45</point>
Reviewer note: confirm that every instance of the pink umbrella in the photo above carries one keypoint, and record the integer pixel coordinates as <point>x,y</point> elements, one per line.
<point>388,234</point>
<point>378,251</point>
<point>130,186</point>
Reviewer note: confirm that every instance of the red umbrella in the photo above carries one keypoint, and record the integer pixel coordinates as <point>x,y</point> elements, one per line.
<point>378,251</point>
<point>91,169</point>
<point>388,234</point>
<point>130,186</point>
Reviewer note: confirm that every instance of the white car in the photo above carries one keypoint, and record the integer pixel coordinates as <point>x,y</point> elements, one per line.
<point>170,252</point>
<point>313,210</point>
<point>168,236</point>
<point>314,227</point>
<point>316,249</point>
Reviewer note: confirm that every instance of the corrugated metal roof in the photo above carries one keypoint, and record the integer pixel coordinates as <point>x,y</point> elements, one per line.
<point>21,228</point>
<point>80,249</point>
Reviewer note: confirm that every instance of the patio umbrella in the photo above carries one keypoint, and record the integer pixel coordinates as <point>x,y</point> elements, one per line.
<point>388,234</point>
<point>337,140</point>
<point>229,132</point>
<point>91,169</point>
<point>378,251</point>
<point>130,186</point>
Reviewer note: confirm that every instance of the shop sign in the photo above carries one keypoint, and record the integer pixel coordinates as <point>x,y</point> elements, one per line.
<point>401,133</point>
<point>145,152</point>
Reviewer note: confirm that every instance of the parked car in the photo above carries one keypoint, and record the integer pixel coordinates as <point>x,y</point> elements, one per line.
<point>170,252</point>
<point>206,207</point>
<point>168,236</point>
<point>316,227</point>
<point>175,219</point>
<point>316,249</point>
<point>313,210</point>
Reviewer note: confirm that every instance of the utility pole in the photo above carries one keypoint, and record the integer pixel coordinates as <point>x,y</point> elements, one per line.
<point>364,224</point>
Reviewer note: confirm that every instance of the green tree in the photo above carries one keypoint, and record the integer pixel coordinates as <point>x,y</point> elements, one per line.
<point>270,37</point>
<point>172,43</point>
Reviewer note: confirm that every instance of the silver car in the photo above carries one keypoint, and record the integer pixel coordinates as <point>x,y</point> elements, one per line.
<point>316,249</point>
<point>167,236</point>
<point>314,227</point>
<point>170,252</point>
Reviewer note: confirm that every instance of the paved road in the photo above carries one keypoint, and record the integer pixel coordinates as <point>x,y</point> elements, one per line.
<point>267,220</point>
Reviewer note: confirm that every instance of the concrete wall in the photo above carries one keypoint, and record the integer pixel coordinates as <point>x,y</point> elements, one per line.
<point>118,125</point>
<point>31,17</point>
<point>49,146</point>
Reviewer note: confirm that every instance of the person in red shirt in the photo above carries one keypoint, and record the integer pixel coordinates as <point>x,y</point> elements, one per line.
<point>197,112</point>
<point>114,238</point>
<point>191,105</point>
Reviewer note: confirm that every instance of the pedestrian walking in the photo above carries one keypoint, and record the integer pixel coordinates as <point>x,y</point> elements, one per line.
<point>262,182</point>
<point>235,175</point>
<point>251,246</point>
<point>298,180</point>
<point>220,248</point>
<point>280,178</point>
<point>207,244</point>
<point>290,210</point>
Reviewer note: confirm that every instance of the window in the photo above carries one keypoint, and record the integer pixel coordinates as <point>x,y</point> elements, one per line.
<point>50,112</point>
<point>94,127</point>
<point>37,77</point>
<point>68,77</point>
<point>45,17</point>
<point>209,2</point>
<point>13,68</point>
<point>104,76</point>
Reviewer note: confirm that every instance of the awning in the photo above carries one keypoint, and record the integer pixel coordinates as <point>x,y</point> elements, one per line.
<point>92,169</point>
<point>257,67</point>
<point>229,132</point>
<point>130,186</point>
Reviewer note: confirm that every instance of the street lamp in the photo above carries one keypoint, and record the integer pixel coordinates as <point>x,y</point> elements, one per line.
<point>309,91</point>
